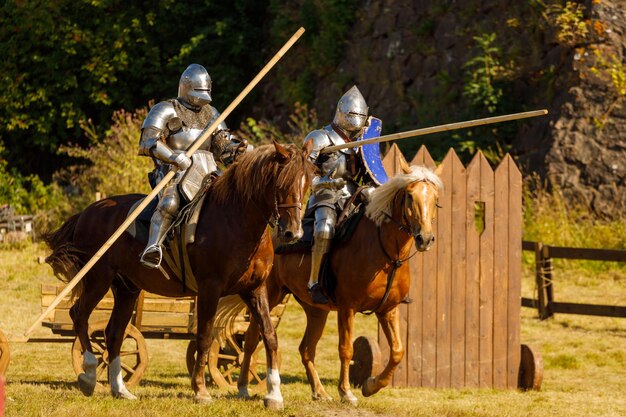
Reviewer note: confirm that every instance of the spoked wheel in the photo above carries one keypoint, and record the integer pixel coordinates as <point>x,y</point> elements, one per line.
<point>530,369</point>
<point>4,354</point>
<point>224,363</point>
<point>133,354</point>
<point>366,360</point>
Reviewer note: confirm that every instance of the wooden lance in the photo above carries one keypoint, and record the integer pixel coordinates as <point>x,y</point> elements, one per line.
<point>193,148</point>
<point>437,129</point>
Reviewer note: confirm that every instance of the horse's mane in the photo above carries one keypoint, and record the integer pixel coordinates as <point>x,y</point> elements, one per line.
<point>382,197</point>
<point>254,171</point>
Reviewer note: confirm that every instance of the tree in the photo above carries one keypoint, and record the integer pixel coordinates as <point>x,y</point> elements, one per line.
<point>69,61</point>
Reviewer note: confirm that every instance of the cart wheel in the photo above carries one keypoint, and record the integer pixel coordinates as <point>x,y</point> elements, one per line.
<point>366,360</point>
<point>225,363</point>
<point>4,354</point>
<point>530,369</point>
<point>134,354</point>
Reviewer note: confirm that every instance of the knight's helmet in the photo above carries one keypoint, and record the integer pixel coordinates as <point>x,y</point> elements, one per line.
<point>195,86</point>
<point>351,113</point>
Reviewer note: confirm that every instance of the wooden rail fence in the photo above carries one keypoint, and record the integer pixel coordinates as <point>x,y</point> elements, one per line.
<point>545,304</point>
<point>463,327</point>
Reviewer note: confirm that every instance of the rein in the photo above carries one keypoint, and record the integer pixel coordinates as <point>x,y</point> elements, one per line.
<point>395,263</point>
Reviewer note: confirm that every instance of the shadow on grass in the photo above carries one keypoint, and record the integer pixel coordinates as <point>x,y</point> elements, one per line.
<point>67,385</point>
<point>285,379</point>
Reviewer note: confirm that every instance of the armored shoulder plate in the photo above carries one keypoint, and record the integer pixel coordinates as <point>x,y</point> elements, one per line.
<point>216,114</point>
<point>320,140</point>
<point>159,115</point>
<point>336,139</point>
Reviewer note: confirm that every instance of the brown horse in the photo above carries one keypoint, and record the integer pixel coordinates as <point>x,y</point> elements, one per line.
<point>371,272</point>
<point>232,254</point>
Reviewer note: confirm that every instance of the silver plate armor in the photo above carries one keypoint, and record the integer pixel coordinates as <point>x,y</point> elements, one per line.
<point>194,87</point>
<point>351,113</point>
<point>170,128</point>
<point>192,179</point>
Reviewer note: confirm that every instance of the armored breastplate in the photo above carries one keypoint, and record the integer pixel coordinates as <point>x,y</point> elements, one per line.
<point>193,123</point>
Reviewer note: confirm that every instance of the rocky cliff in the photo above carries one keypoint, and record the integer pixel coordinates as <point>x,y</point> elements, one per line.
<point>420,63</point>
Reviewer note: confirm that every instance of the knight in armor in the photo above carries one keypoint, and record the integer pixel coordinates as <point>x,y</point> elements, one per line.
<point>340,173</point>
<point>170,128</point>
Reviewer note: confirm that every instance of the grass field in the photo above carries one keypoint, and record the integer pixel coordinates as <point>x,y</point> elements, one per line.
<point>584,362</point>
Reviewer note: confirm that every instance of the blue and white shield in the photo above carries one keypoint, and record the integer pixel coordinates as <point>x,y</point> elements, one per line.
<point>371,153</point>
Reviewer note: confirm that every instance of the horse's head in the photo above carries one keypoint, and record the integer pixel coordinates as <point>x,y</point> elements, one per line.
<point>293,181</point>
<point>410,200</point>
<point>419,204</point>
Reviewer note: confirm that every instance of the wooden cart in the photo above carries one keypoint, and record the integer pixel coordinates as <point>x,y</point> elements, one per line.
<point>4,354</point>
<point>155,317</point>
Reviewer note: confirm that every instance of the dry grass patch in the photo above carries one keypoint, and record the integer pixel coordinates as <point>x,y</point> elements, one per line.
<point>584,359</point>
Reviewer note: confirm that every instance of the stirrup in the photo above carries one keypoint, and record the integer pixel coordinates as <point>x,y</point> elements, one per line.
<point>151,257</point>
<point>317,294</point>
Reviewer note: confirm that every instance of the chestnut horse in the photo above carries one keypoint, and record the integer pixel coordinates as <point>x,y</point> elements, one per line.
<point>371,272</point>
<point>232,254</point>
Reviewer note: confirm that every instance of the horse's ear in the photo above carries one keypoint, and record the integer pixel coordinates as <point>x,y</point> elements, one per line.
<point>439,170</point>
<point>280,150</point>
<point>307,148</point>
<point>404,165</point>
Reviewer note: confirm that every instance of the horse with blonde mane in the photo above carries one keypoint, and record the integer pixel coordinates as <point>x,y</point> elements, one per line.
<point>232,254</point>
<point>372,275</point>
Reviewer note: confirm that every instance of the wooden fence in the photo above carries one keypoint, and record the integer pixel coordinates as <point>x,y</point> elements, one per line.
<point>463,327</point>
<point>545,304</point>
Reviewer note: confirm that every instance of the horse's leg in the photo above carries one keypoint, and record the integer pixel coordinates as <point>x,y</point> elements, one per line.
<point>259,308</point>
<point>125,294</point>
<point>345,318</point>
<point>95,286</point>
<point>390,323</point>
<point>315,322</point>
<point>208,298</point>
<point>274,295</point>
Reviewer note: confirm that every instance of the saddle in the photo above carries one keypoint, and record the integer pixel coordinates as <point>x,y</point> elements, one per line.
<point>181,233</point>
<point>345,230</point>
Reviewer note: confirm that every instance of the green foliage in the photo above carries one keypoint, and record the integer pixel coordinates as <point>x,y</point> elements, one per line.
<point>26,194</point>
<point>301,122</point>
<point>612,72</point>
<point>572,29</point>
<point>111,165</point>
<point>68,61</point>
<point>482,74</point>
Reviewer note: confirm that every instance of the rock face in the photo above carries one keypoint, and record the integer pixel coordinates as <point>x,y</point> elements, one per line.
<point>586,144</point>
<point>408,59</point>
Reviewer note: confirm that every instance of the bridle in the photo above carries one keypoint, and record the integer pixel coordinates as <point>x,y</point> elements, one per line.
<point>273,220</point>
<point>395,263</point>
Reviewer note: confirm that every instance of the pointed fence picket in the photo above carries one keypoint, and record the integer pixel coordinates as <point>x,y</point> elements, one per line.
<point>462,327</point>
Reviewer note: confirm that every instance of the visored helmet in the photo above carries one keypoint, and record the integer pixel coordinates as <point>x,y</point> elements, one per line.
<point>351,113</point>
<point>195,86</point>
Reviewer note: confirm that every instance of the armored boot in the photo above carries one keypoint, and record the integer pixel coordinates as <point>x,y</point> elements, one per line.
<point>152,254</point>
<point>159,225</point>
<point>320,248</point>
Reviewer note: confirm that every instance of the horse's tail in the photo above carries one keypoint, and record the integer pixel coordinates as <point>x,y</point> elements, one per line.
<point>65,259</point>
<point>228,310</point>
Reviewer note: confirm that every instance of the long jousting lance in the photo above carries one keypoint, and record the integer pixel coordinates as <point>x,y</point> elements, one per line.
<point>193,148</point>
<point>437,129</point>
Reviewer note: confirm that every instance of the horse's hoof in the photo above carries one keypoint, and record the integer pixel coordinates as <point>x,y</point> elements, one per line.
<point>272,404</point>
<point>204,398</point>
<point>321,397</point>
<point>86,384</point>
<point>349,398</point>
<point>369,387</point>
<point>243,394</point>
<point>124,395</point>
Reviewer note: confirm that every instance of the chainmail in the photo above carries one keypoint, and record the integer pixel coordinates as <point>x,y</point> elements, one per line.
<point>192,119</point>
